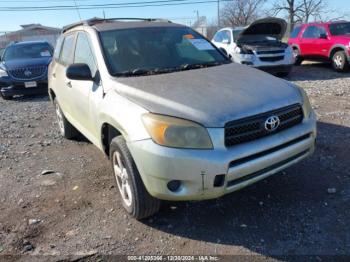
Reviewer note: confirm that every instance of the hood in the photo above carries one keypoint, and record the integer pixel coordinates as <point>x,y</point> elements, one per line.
<point>20,63</point>
<point>271,26</point>
<point>210,96</point>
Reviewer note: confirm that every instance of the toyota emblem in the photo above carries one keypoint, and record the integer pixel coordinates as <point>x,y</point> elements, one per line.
<point>272,123</point>
<point>28,73</point>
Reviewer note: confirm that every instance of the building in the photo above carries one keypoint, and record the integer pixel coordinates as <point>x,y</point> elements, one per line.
<point>31,32</point>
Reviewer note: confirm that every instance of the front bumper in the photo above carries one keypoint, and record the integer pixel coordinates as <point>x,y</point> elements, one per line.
<point>9,87</point>
<point>241,165</point>
<point>281,66</point>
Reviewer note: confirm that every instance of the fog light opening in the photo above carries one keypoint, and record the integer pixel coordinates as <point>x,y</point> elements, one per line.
<point>174,185</point>
<point>219,180</point>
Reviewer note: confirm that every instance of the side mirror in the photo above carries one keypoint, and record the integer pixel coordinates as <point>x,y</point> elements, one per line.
<point>323,36</point>
<point>79,72</point>
<point>226,41</point>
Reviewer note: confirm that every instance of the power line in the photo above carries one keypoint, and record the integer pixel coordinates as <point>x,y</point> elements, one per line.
<point>112,6</point>
<point>92,5</point>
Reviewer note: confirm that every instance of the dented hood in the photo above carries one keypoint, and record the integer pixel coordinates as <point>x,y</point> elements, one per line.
<point>271,27</point>
<point>211,96</point>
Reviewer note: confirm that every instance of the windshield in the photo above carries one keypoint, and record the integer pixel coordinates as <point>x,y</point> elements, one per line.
<point>27,51</point>
<point>340,29</point>
<point>158,50</point>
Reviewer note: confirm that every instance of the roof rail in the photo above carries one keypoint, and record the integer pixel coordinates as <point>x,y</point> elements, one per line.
<point>97,20</point>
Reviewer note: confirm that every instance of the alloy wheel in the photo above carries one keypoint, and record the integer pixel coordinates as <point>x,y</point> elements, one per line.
<point>122,177</point>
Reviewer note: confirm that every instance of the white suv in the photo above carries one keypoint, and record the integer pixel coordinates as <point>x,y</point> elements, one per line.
<point>258,45</point>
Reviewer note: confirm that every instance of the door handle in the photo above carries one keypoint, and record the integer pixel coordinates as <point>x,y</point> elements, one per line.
<point>69,84</point>
<point>54,75</point>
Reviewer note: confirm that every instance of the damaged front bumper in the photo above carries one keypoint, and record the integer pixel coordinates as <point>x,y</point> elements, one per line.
<point>272,63</point>
<point>237,166</point>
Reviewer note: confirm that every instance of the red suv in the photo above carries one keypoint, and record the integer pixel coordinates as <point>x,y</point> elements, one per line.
<point>322,41</point>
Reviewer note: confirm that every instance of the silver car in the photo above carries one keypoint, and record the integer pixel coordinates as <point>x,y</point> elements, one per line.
<point>176,118</point>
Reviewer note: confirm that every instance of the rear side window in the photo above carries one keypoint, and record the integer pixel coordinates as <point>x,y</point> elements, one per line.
<point>83,52</point>
<point>66,56</point>
<point>295,32</point>
<point>58,48</point>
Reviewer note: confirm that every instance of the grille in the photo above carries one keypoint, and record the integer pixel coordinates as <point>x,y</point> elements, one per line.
<point>267,52</point>
<point>28,73</point>
<point>251,128</point>
<point>272,58</point>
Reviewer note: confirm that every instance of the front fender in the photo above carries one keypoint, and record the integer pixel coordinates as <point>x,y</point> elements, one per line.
<point>123,115</point>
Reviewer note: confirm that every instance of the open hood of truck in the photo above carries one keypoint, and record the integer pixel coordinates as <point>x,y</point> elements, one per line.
<point>268,27</point>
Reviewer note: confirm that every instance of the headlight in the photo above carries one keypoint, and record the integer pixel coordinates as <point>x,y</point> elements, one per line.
<point>176,132</point>
<point>3,73</point>
<point>306,103</point>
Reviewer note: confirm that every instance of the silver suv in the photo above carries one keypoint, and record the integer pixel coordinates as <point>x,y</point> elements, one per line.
<point>176,118</point>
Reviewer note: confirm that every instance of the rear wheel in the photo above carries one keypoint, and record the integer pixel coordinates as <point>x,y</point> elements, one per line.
<point>340,62</point>
<point>67,130</point>
<point>135,198</point>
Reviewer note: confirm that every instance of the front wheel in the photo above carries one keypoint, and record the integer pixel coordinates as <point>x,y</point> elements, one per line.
<point>297,57</point>
<point>5,97</point>
<point>340,62</point>
<point>135,198</point>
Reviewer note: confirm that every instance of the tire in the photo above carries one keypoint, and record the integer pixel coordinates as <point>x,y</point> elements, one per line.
<point>66,129</point>
<point>283,74</point>
<point>6,97</point>
<point>135,198</point>
<point>340,61</point>
<point>298,58</point>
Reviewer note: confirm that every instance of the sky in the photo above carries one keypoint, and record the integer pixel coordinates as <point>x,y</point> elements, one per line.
<point>185,14</point>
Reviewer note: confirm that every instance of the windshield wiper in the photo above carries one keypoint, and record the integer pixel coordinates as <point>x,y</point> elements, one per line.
<point>158,70</point>
<point>203,65</point>
<point>134,72</point>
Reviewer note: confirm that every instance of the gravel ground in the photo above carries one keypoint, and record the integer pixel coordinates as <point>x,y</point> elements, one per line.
<point>76,210</point>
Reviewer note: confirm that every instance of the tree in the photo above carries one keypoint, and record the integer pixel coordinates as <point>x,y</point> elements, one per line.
<point>300,11</point>
<point>240,12</point>
<point>293,9</point>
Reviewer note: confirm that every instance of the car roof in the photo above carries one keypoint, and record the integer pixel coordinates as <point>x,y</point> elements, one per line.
<point>101,24</point>
<point>324,23</point>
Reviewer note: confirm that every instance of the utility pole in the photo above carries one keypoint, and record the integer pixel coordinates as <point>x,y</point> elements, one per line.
<point>218,14</point>
<point>197,12</point>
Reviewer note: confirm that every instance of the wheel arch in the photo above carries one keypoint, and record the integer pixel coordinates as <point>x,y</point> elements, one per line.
<point>108,132</point>
<point>337,48</point>
<point>52,94</point>
<point>295,46</point>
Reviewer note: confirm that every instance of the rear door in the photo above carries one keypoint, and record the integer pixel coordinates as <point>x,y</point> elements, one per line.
<point>62,86</point>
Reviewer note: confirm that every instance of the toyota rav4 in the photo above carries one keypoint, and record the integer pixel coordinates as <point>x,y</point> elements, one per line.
<point>323,41</point>
<point>177,119</point>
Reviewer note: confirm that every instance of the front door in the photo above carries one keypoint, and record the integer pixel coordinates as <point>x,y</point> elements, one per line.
<point>85,93</point>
